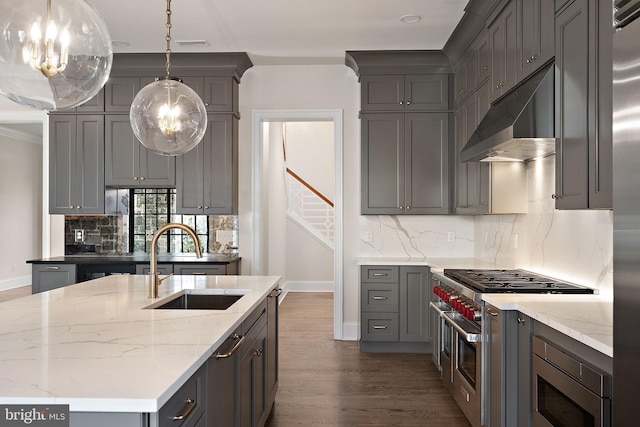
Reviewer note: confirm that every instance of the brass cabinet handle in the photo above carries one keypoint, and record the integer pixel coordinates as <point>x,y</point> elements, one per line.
<point>492,313</point>
<point>520,320</point>
<point>401,103</point>
<point>408,207</point>
<point>206,207</point>
<point>191,405</point>
<point>275,293</point>
<point>408,102</point>
<point>199,207</point>
<point>135,178</point>
<point>556,196</point>
<point>235,348</point>
<point>142,178</point>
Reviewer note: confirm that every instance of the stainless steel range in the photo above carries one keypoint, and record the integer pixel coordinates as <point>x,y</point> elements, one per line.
<point>458,309</point>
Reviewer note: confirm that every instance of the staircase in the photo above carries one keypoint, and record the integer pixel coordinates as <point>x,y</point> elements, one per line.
<point>309,209</point>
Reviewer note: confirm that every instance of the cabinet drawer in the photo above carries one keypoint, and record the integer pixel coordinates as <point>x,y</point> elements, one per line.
<point>379,327</point>
<point>379,297</point>
<point>199,270</point>
<point>380,274</point>
<point>254,317</point>
<point>162,268</point>
<point>187,405</point>
<point>45,277</point>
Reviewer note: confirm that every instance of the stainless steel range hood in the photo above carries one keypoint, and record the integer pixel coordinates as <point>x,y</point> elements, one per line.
<point>518,127</point>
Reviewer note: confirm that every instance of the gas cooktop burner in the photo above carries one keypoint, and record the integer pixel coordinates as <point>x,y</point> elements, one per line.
<point>495,281</point>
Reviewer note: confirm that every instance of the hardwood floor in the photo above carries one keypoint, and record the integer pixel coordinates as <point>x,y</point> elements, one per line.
<point>15,293</point>
<point>323,382</point>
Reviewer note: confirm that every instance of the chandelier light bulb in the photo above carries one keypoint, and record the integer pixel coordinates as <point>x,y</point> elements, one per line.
<point>54,54</point>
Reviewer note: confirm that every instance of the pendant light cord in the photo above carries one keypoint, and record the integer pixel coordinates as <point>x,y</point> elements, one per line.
<point>168,38</point>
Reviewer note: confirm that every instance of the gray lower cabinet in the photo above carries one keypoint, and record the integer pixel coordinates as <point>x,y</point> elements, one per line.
<point>76,164</point>
<point>404,163</point>
<point>583,84</point>
<point>507,359</point>
<point>162,268</point>
<point>253,369</point>
<point>45,277</point>
<point>207,181</point>
<point>222,373</point>
<point>128,163</point>
<point>394,308</point>
<point>201,269</point>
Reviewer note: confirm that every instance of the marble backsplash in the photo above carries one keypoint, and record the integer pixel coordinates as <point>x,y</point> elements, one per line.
<point>572,245</point>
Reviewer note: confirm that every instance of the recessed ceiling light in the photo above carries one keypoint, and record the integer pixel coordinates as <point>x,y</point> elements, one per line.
<point>119,43</point>
<point>192,42</point>
<point>410,19</point>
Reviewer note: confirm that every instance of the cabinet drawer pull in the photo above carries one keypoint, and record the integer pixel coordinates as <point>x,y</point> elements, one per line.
<point>377,297</point>
<point>191,405</point>
<point>52,268</point>
<point>199,273</point>
<point>235,348</point>
<point>206,207</point>
<point>380,274</point>
<point>275,293</point>
<point>492,313</point>
<point>379,326</point>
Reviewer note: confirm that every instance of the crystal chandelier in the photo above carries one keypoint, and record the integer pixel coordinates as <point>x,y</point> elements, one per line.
<point>54,54</point>
<point>167,116</point>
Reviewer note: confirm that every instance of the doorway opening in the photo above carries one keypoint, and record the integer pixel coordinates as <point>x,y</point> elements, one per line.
<point>263,155</point>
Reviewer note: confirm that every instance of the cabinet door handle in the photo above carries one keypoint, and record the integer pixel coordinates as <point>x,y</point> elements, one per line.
<point>485,67</point>
<point>235,348</point>
<point>520,320</point>
<point>379,298</point>
<point>78,207</point>
<point>408,102</point>
<point>135,178</point>
<point>142,178</point>
<point>259,352</point>
<point>52,268</point>
<point>206,207</point>
<point>275,293</point>
<point>401,103</point>
<point>191,405</point>
<point>556,196</point>
<point>379,326</point>
<point>199,207</point>
<point>401,207</point>
<point>408,207</point>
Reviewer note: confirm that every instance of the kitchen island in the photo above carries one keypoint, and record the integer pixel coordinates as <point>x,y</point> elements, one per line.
<point>96,347</point>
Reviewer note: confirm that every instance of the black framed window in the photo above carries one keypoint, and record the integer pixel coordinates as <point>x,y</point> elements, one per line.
<point>154,207</point>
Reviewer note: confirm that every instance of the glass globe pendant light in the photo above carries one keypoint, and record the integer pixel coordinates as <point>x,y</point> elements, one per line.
<point>54,54</point>
<point>167,116</point>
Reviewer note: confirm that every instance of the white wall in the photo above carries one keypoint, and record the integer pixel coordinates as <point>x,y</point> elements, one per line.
<point>571,245</point>
<point>21,195</point>
<point>310,154</point>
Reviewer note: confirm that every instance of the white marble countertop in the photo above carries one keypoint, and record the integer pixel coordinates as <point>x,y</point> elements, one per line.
<point>94,347</point>
<point>437,264</point>
<point>585,318</point>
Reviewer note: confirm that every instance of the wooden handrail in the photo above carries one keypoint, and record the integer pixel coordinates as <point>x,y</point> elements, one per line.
<point>306,184</point>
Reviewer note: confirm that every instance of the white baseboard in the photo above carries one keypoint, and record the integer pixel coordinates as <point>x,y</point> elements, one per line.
<point>350,331</point>
<point>307,286</point>
<point>15,282</point>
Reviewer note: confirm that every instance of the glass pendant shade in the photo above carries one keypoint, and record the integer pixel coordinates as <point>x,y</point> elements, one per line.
<point>168,117</point>
<point>54,54</point>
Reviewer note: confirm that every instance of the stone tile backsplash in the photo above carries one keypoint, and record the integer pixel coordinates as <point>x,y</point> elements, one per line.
<point>109,234</point>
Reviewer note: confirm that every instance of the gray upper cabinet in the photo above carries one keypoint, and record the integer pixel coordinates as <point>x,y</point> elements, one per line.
<point>76,164</point>
<point>583,106</point>
<point>503,42</point>
<point>535,35</point>
<point>481,45</point>
<point>128,163</point>
<point>465,76</point>
<point>120,92</point>
<point>207,175</point>
<point>405,163</point>
<point>404,92</point>
<point>219,94</point>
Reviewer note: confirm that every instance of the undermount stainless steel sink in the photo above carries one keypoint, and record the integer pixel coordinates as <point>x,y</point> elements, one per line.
<point>198,301</point>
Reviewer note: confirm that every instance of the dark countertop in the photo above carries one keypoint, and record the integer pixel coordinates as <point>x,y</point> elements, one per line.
<point>137,259</point>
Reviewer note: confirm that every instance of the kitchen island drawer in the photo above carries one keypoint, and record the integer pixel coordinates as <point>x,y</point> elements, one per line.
<point>379,297</point>
<point>199,270</point>
<point>187,405</point>
<point>45,277</point>
<point>379,327</point>
<point>379,273</point>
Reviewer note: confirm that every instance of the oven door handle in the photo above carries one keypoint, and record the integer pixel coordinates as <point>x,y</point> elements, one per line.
<point>471,336</point>
<point>440,312</point>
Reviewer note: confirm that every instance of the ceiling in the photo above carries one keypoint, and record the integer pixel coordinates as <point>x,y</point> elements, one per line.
<point>281,31</point>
